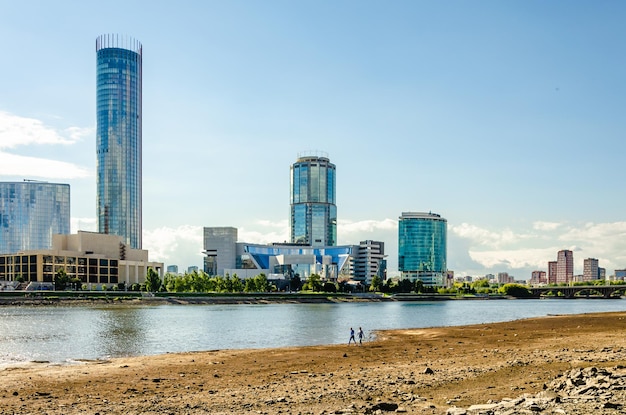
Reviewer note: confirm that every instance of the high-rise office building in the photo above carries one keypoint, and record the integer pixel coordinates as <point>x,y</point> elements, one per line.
<point>591,271</point>
<point>30,213</point>
<point>422,247</point>
<point>313,209</point>
<point>552,272</point>
<point>564,266</point>
<point>118,137</point>
<point>538,277</point>
<point>220,249</point>
<point>369,261</point>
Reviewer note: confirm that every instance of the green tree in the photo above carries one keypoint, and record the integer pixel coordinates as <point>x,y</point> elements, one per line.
<point>314,283</point>
<point>153,281</point>
<point>250,285</point>
<point>261,283</point>
<point>237,284</point>
<point>390,286</point>
<point>480,283</point>
<point>61,280</point>
<point>405,286</point>
<point>377,283</point>
<point>419,286</point>
<point>329,287</point>
<point>515,290</point>
<point>296,283</point>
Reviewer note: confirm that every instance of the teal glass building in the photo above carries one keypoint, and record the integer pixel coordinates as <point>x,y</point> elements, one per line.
<point>118,137</point>
<point>313,208</point>
<point>30,213</point>
<point>422,247</point>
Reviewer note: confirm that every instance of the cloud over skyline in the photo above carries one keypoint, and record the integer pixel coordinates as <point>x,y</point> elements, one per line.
<point>17,131</point>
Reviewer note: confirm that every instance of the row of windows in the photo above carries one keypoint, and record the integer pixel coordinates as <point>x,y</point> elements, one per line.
<point>69,269</point>
<point>97,279</point>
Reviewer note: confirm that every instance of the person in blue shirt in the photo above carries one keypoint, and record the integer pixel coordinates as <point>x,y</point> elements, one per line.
<point>352,339</point>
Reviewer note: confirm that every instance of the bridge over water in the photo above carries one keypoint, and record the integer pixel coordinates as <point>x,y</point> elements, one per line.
<point>606,291</point>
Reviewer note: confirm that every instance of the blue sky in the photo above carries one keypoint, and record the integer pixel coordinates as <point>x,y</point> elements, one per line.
<point>507,118</point>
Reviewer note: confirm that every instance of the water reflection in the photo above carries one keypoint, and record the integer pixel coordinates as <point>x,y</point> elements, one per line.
<point>121,331</point>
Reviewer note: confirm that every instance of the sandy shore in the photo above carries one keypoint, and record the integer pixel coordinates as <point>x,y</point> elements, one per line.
<point>421,371</point>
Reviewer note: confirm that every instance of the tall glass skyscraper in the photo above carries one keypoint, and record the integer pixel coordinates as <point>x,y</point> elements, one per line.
<point>422,251</point>
<point>118,137</point>
<point>313,209</point>
<point>30,213</point>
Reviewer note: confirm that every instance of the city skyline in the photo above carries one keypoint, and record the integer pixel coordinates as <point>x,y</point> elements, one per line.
<point>505,118</point>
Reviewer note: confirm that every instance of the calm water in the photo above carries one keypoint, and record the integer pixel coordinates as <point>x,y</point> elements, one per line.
<point>60,334</point>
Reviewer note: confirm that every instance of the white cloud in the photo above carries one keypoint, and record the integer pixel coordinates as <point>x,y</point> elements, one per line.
<point>494,239</point>
<point>31,167</point>
<point>181,245</point>
<point>83,224</point>
<point>78,133</point>
<point>515,258</point>
<point>349,227</point>
<point>546,226</point>
<point>265,232</point>
<point>522,251</point>
<point>19,131</point>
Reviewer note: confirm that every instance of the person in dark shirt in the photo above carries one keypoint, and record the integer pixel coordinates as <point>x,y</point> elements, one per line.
<point>352,339</point>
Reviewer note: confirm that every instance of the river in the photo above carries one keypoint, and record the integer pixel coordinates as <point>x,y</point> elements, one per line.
<point>65,334</point>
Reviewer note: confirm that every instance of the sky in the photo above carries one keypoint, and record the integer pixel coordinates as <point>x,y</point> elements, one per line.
<point>506,118</point>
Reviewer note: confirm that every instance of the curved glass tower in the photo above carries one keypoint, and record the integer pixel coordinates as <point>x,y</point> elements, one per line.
<point>30,213</point>
<point>422,252</point>
<point>313,209</point>
<point>118,137</point>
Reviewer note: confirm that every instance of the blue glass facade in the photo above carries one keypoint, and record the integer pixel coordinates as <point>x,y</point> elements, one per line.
<point>30,213</point>
<point>118,137</point>
<point>422,247</point>
<point>326,261</point>
<point>313,209</point>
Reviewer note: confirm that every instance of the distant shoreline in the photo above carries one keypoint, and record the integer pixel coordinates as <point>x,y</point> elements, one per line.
<point>124,298</point>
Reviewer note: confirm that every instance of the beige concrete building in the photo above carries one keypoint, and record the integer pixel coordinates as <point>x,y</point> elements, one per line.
<point>93,258</point>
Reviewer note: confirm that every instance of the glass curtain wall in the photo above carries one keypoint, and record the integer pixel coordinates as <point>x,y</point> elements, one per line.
<point>313,209</point>
<point>118,137</point>
<point>30,213</point>
<point>422,239</point>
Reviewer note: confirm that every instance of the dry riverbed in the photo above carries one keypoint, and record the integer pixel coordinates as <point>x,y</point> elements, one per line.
<point>494,368</point>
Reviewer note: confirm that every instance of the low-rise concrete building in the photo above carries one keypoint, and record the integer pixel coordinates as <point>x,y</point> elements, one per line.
<point>95,259</point>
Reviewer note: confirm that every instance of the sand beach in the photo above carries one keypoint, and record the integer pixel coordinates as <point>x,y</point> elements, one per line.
<point>448,370</point>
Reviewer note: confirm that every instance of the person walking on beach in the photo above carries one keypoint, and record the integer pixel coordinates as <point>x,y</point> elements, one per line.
<point>361,334</point>
<point>352,339</point>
